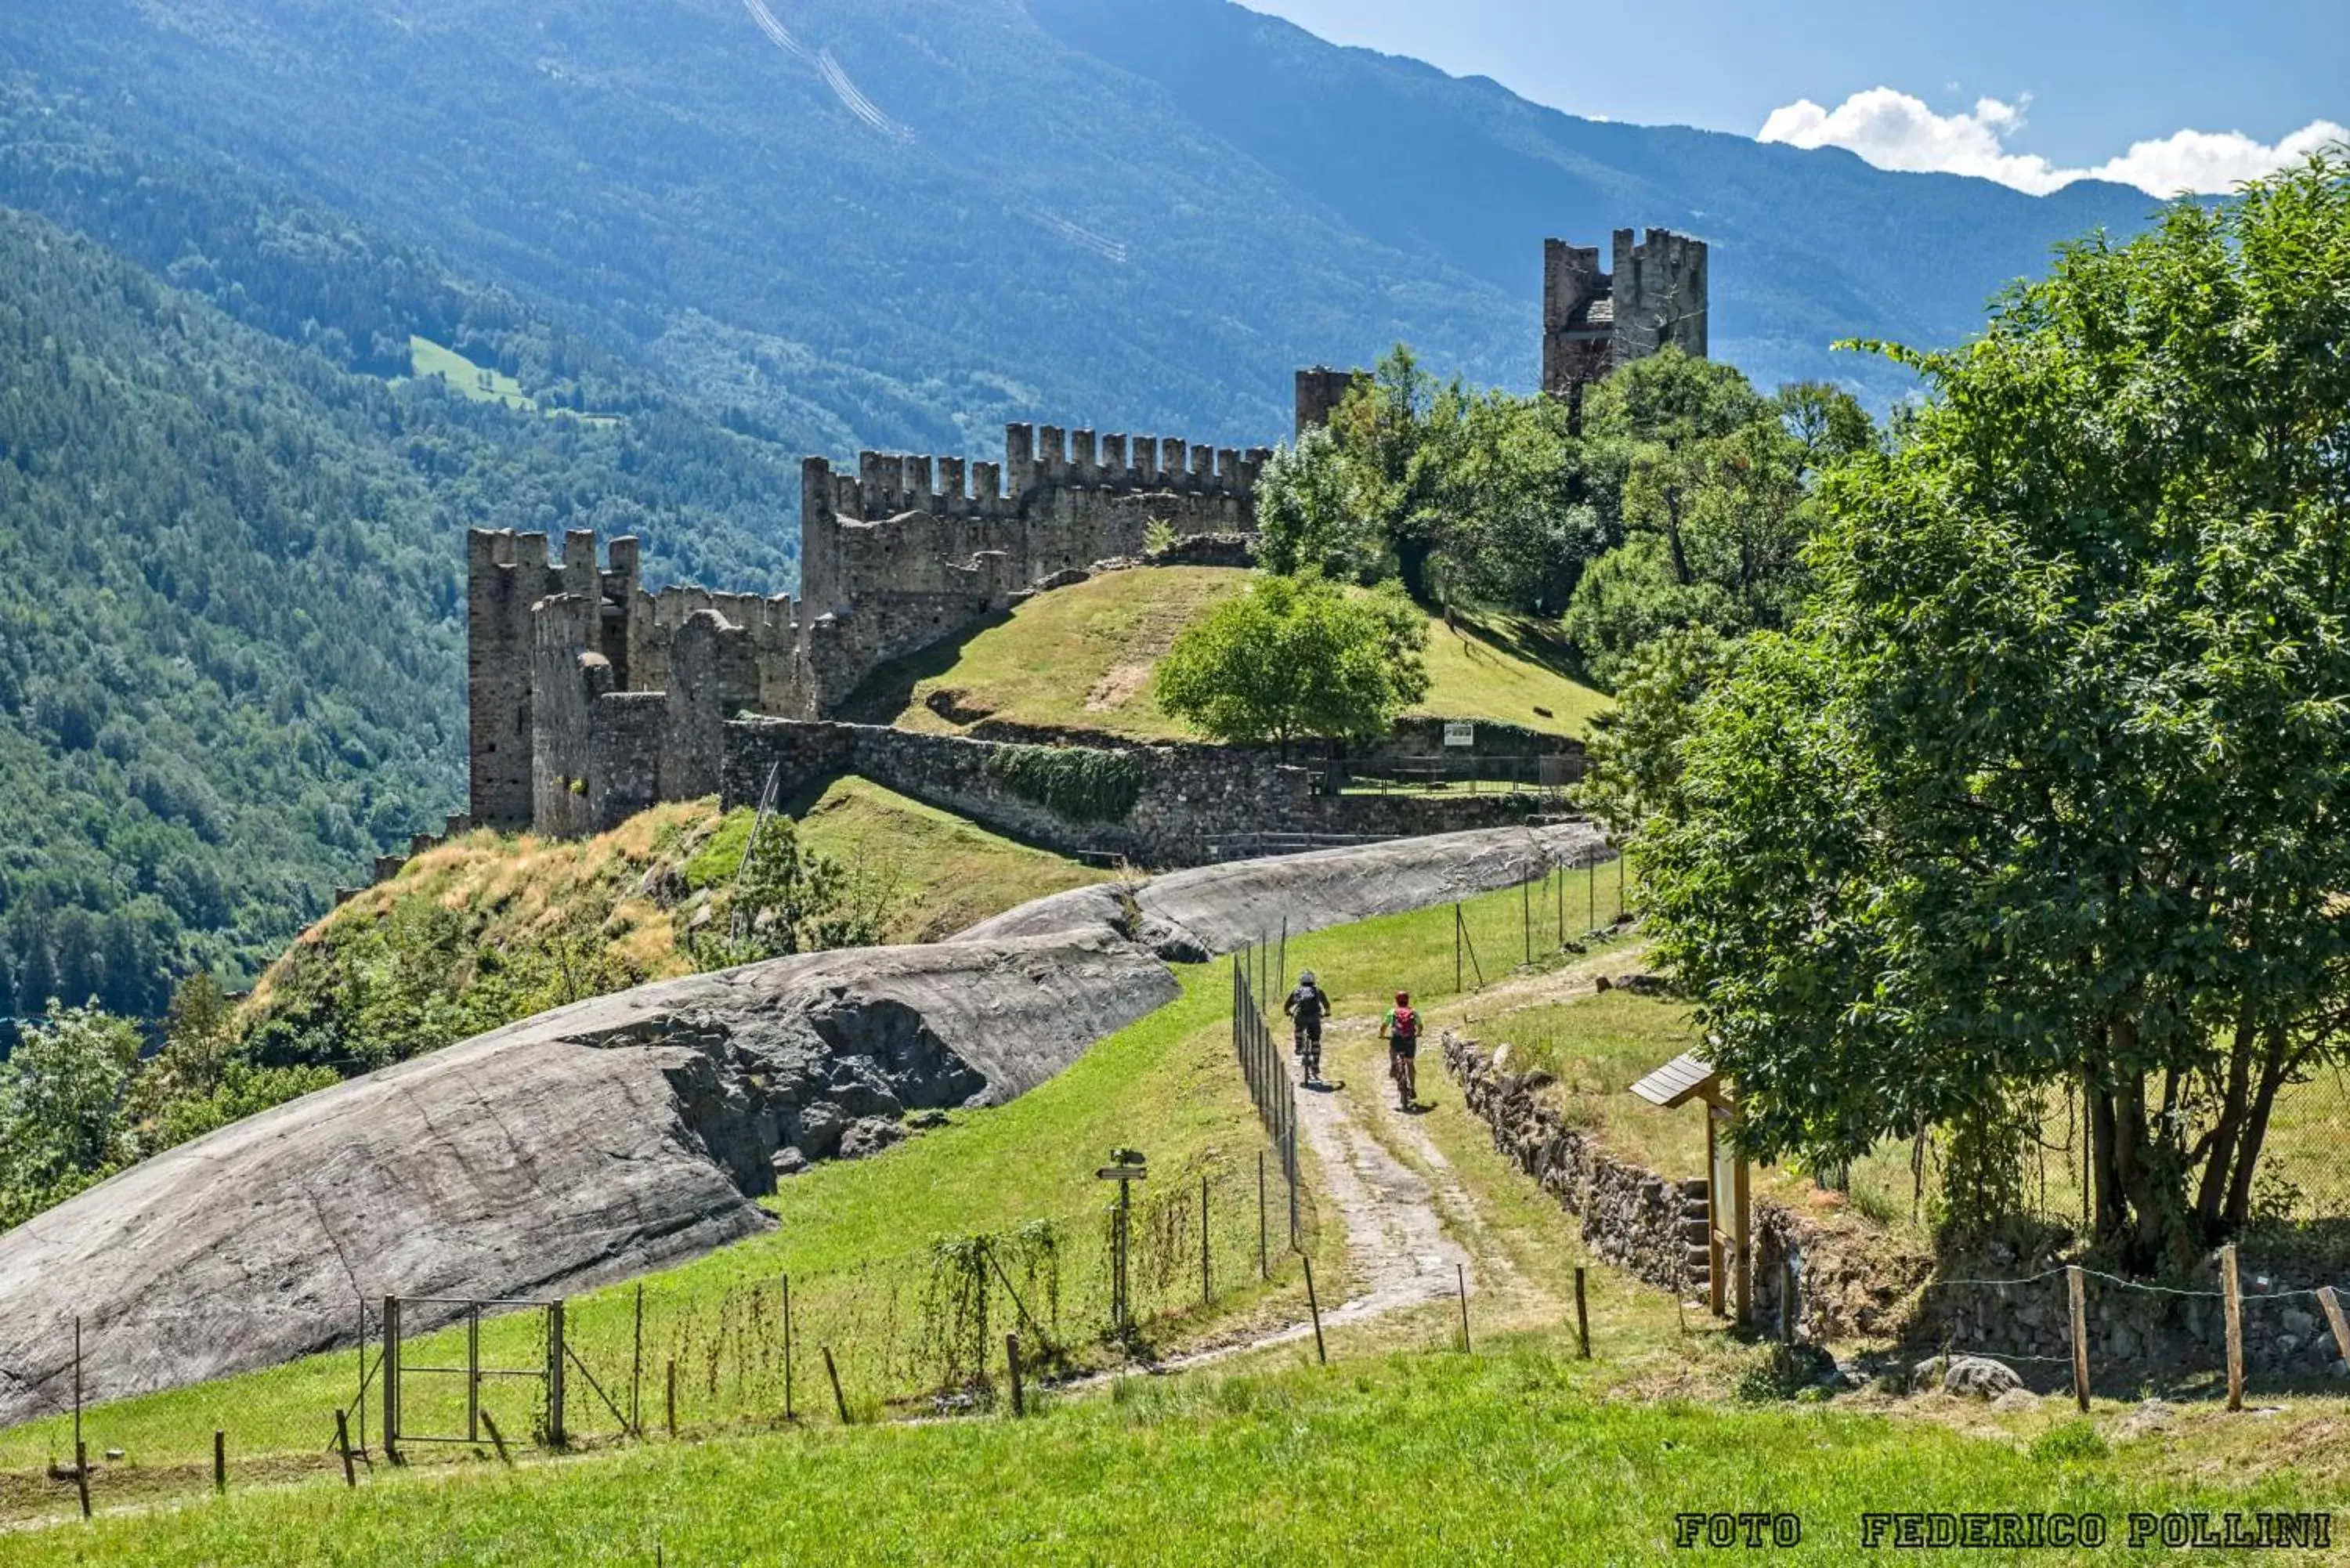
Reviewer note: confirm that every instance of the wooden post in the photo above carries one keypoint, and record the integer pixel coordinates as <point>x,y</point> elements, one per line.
<point>1456,949</point>
<point>2234,1292</point>
<point>673,1396</point>
<point>1011,1360</point>
<point>473,1373</point>
<point>1264,1261</point>
<point>391,1369</point>
<point>1582,1318</point>
<point>342,1441</point>
<point>220,1458</point>
<point>1207,1296</point>
<point>77,1395</point>
<point>1314,1305</point>
<point>2331,1299</point>
<point>787,1349</point>
<point>81,1475</point>
<point>637,1370</point>
<point>2077,1294</point>
<point>1461,1278</point>
<point>1787,1299</point>
<point>838,1403</point>
<point>558,1434</point>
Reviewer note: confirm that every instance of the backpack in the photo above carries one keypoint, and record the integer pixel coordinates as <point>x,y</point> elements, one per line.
<point>1407,1024</point>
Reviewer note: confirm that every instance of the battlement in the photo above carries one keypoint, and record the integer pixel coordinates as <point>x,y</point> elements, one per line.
<point>1594,321</point>
<point>1060,500</point>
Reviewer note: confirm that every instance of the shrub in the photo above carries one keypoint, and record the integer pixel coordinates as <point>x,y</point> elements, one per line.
<point>1081,782</point>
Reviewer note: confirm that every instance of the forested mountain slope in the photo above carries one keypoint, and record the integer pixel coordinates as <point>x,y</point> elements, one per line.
<point>901,222</point>
<point>231,618</point>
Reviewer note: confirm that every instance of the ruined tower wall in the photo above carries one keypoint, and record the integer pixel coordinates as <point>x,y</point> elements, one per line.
<point>1660,294</point>
<point>1320,391</point>
<point>506,575</point>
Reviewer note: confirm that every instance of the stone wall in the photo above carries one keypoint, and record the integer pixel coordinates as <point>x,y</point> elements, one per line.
<point>1652,1226</point>
<point>1594,321</point>
<point>1061,500</point>
<point>1194,800</point>
<point>2136,1334</point>
<point>1631,1217</point>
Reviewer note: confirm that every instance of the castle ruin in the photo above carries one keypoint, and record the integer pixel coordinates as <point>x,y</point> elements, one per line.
<point>592,697</point>
<point>1594,321</point>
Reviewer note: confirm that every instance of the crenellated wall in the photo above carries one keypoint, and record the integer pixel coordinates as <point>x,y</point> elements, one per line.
<point>1594,322</point>
<point>1060,500</point>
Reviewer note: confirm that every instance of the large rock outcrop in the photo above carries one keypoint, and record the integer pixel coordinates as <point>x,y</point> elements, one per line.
<point>631,1132</point>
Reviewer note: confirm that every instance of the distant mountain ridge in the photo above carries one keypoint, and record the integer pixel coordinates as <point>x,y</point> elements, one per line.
<point>903,222</point>
<point>754,230</point>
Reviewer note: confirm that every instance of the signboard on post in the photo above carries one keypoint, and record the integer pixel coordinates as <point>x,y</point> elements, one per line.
<point>1460,734</point>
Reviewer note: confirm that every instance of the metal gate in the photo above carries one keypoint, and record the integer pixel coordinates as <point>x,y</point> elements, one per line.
<point>398,1389</point>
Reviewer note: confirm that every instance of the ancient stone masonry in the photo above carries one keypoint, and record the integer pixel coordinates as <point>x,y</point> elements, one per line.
<point>592,699</point>
<point>1594,322</point>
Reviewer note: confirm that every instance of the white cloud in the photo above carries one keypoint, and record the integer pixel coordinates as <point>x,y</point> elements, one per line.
<point>1896,131</point>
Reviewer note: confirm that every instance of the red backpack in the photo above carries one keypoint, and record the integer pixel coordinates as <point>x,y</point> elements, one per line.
<point>1407,1023</point>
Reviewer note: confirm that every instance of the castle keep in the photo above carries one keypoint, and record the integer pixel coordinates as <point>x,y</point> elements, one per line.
<point>592,697</point>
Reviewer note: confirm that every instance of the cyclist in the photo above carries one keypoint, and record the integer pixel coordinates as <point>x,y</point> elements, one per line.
<point>1401,1030</point>
<point>1307,1006</point>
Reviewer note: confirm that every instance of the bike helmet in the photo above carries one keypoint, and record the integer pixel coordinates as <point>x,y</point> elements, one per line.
<point>1307,978</point>
<point>1403,998</point>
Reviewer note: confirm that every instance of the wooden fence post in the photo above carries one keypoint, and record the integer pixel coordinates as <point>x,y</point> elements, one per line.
<point>787,1349</point>
<point>1207,1296</point>
<point>390,1370</point>
<point>342,1441</point>
<point>2076,1294</point>
<point>1314,1305</point>
<point>839,1403</point>
<point>81,1475</point>
<point>1582,1318</point>
<point>1012,1359</point>
<point>557,1434</point>
<point>2331,1299</point>
<point>1264,1261</point>
<point>672,1365</point>
<point>1461,1278</point>
<point>219,1458</point>
<point>2233,1292</point>
<point>637,1370</point>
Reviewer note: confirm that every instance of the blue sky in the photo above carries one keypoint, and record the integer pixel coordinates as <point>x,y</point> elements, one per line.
<point>2030,93</point>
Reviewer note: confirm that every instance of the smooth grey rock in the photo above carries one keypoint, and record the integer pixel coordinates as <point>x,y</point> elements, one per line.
<point>1979,1377</point>
<point>2016,1399</point>
<point>585,1146</point>
<point>630,1132</point>
<point>2298,1322</point>
<point>2152,1415</point>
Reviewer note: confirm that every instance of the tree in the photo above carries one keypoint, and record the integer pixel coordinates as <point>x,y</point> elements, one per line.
<point>1292,657</point>
<point>789,899</point>
<point>60,1092</point>
<point>1634,753</point>
<point>1311,515</point>
<point>1713,486</point>
<point>2047,788</point>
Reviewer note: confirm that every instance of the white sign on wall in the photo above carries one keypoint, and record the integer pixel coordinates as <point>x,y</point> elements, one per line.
<point>1460,734</point>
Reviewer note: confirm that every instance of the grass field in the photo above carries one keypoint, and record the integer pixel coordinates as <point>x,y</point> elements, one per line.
<point>1082,657</point>
<point>481,383</point>
<point>856,1239</point>
<point>1516,1454</point>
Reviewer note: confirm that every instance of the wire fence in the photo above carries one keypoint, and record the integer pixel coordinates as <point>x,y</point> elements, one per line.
<point>919,1332</point>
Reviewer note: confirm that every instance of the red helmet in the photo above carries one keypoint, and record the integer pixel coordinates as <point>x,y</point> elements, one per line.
<point>1403,998</point>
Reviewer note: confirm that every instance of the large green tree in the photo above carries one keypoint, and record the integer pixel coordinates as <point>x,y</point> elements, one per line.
<point>2050,785</point>
<point>1290,658</point>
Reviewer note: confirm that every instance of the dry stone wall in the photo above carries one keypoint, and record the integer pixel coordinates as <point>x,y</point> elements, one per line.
<point>1195,805</point>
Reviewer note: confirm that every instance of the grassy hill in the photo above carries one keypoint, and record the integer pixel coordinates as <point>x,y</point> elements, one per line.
<point>1404,1448</point>
<point>493,927</point>
<point>1082,657</point>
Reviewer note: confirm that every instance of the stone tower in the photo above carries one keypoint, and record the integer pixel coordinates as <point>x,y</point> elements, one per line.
<point>1594,321</point>
<point>1320,391</point>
